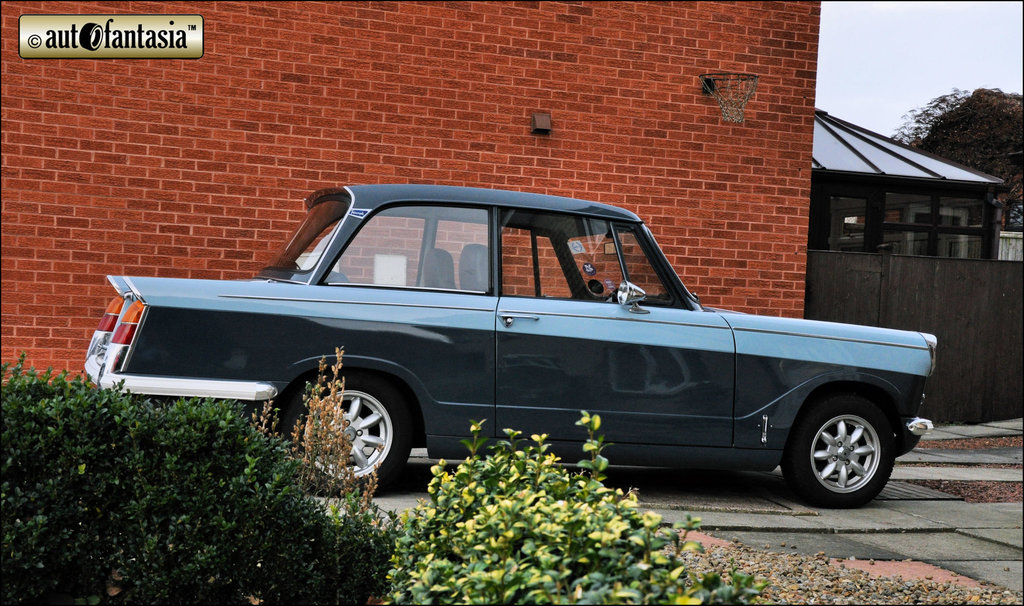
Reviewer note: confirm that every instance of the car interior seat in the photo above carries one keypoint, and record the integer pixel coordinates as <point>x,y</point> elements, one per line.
<point>473,268</point>
<point>438,270</point>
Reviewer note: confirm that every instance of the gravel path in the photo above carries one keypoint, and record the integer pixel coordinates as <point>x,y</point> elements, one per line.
<point>797,579</point>
<point>973,443</point>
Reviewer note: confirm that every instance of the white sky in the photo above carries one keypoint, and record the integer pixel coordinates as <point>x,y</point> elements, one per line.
<point>879,60</point>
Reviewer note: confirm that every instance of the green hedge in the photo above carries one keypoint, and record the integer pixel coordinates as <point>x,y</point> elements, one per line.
<point>115,498</point>
<point>516,527</point>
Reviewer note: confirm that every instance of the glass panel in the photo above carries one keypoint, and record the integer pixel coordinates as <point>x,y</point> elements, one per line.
<point>639,269</point>
<point>1014,216</point>
<point>908,208</point>
<point>833,155</point>
<point>387,250</point>
<point>849,216</point>
<point>518,277</point>
<point>885,162</point>
<point>961,212</point>
<point>960,246</point>
<point>575,257</point>
<point>907,242</point>
<point>596,259</point>
<point>311,238</point>
<point>314,250</point>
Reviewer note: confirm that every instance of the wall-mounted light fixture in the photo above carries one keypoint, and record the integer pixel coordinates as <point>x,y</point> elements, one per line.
<point>540,124</point>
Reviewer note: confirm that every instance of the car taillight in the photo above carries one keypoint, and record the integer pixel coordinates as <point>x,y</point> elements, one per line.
<point>111,314</point>
<point>126,330</point>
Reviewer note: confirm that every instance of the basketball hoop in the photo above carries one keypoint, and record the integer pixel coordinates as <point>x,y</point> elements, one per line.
<point>732,92</point>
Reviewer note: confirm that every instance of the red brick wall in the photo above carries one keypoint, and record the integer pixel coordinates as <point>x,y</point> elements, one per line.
<point>197,168</point>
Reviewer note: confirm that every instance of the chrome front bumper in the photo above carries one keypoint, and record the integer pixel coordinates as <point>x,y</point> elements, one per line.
<point>919,426</point>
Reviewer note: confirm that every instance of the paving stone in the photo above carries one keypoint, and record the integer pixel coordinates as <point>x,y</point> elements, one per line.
<point>1006,573</point>
<point>1012,424</point>
<point>1006,536</point>
<point>959,432</point>
<point>729,521</point>
<point>989,456</point>
<point>931,546</point>
<point>878,517</point>
<point>959,514</point>
<point>811,543</point>
<point>963,474</point>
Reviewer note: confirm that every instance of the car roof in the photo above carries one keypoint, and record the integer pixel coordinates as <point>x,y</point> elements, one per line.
<point>370,197</point>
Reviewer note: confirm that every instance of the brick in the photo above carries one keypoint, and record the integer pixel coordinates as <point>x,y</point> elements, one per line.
<point>198,168</point>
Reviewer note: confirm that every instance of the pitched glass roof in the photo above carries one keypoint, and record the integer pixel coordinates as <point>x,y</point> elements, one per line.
<point>841,146</point>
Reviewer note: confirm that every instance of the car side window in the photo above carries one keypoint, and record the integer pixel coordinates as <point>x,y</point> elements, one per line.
<point>558,256</point>
<point>639,270</point>
<point>431,247</point>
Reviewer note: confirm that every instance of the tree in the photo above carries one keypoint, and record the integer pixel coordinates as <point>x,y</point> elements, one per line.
<point>983,130</point>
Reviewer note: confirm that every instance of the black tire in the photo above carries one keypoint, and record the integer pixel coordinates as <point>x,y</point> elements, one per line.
<point>840,452</point>
<point>381,419</point>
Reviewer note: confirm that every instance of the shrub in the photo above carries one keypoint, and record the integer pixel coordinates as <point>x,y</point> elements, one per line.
<point>113,497</point>
<point>516,527</point>
<point>319,440</point>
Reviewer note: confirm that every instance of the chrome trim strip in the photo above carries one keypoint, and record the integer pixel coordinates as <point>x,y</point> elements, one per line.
<point>343,302</point>
<point>138,329</point>
<point>113,283</point>
<point>409,288</point>
<point>185,387</point>
<point>591,317</point>
<point>135,291</point>
<point>830,338</point>
<point>92,369</point>
<point>933,344</point>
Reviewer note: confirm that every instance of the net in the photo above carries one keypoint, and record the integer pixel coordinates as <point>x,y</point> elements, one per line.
<point>732,91</point>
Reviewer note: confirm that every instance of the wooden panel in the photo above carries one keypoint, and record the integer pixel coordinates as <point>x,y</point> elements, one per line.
<point>843,287</point>
<point>972,306</point>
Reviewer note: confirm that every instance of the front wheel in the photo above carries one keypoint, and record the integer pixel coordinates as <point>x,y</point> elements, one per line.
<point>379,427</point>
<point>840,452</point>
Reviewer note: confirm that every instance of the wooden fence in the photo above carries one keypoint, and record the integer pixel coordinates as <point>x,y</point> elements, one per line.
<point>972,306</point>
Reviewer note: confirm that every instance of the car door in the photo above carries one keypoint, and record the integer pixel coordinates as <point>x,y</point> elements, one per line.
<point>413,295</point>
<point>657,374</point>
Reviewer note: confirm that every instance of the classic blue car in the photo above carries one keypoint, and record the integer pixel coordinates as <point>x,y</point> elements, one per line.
<point>455,303</point>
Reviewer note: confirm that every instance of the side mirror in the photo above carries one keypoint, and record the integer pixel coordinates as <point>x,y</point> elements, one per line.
<point>631,294</point>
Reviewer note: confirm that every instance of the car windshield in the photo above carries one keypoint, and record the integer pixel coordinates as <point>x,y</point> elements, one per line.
<point>311,238</point>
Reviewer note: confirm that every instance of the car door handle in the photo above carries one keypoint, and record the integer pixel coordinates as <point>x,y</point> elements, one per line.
<point>509,318</point>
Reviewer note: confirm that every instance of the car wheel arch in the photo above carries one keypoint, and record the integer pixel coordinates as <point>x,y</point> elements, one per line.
<point>752,430</point>
<point>877,394</point>
<point>298,384</point>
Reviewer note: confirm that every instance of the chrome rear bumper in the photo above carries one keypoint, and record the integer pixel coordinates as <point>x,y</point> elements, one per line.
<point>179,386</point>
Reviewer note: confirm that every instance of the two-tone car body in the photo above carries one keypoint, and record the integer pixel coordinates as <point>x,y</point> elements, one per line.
<point>457,304</point>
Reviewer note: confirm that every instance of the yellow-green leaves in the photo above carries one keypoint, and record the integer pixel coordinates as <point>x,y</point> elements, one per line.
<point>514,526</point>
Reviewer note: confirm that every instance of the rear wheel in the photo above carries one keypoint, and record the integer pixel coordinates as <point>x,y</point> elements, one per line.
<point>379,426</point>
<point>840,452</point>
